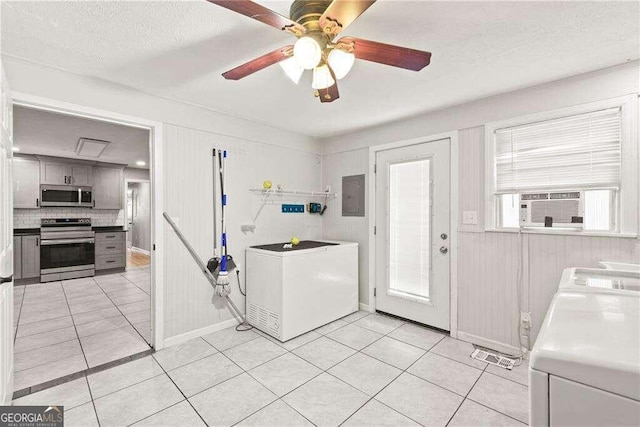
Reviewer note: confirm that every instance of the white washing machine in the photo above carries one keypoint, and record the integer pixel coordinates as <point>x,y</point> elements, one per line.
<point>622,282</point>
<point>291,291</point>
<point>584,369</point>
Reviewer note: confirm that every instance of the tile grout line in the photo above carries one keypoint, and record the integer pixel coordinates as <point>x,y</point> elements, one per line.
<point>465,397</point>
<point>15,334</point>
<point>74,326</point>
<point>123,315</point>
<point>93,401</point>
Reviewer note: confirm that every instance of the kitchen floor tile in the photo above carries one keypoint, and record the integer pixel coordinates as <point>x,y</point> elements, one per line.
<point>44,355</point>
<point>99,326</point>
<point>375,413</point>
<point>254,353</point>
<point>82,416</point>
<point>277,414</point>
<point>204,373</point>
<point>470,414</point>
<point>507,397</point>
<point>227,403</point>
<point>458,350</point>
<point>284,373</point>
<point>330,327</point>
<point>417,336</point>
<point>134,307</point>
<point>354,336</point>
<point>326,401</point>
<point>394,352</point>
<point>519,374</point>
<point>365,373</point>
<point>178,355</point>
<point>421,401</point>
<point>181,414</point>
<point>45,326</point>
<point>93,316</point>
<point>112,345</point>
<point>71,394</point>
<point>49,371</point>
<point>122,376</point>
<point>355,316</point>
<point>296,342</point>
<point>324,353</point>
<point>454,376</point>
<point>139,316</point>
<point>227,338</point>
<point>137,402</point>
<point>379,323</point>
<point>44,339</point>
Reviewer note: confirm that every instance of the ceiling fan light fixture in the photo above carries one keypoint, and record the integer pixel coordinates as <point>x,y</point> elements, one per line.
<point>307,52</point>
<point>322,78</point>
<point>341,62</point>
<point>292,69</point>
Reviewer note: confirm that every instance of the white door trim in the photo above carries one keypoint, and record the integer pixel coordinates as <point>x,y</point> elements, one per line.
<point>453,266</point>
<point>157,225</point>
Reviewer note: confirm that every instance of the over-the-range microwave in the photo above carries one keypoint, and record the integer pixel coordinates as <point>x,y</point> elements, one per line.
<point>66,196</point>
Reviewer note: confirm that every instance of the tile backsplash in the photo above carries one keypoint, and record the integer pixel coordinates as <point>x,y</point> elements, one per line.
<point>30,218</point>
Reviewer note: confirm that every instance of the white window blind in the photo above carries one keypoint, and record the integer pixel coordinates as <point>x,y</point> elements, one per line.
<point>577,152</point>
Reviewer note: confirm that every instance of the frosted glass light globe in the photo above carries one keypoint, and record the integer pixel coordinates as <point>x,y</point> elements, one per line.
<point>292,69</point>
<point>307,52</point>
<point>322,77</point>
<point>341,62</point>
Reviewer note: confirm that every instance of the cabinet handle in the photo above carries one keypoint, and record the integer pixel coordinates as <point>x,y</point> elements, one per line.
<point>37,241</point>
<point>109,237</point>
<point>65,179</point>
<point>111,262</point>
<point>37,202</point>
<point>111,247</point>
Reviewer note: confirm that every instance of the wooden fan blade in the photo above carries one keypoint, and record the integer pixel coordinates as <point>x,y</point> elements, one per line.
<point>388,54</point>
<point>331,93</point>
<point>259,63</point>
<point>259,13</point>
<point>344,12</point>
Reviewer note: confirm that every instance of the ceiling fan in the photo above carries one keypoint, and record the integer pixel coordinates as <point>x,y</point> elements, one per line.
<point>316,23</point>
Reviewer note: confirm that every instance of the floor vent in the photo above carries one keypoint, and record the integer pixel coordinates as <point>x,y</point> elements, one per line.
<point>493,359</point>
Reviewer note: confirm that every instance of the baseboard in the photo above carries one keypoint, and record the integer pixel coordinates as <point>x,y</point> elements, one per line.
<point>142,251</point>
<point>179,339</point>
<point>364,307</point>
<point>490,344</point>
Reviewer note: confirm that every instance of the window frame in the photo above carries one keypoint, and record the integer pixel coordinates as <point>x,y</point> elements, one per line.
<point>625,213</point>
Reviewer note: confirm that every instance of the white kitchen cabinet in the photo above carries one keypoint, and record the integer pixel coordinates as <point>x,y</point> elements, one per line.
<point>60,173</point>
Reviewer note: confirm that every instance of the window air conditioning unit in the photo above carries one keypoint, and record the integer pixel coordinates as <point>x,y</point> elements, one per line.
<point>559,209</point>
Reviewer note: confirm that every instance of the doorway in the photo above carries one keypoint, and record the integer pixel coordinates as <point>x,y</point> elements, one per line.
<point>138,224</point>
<point>412,240</point>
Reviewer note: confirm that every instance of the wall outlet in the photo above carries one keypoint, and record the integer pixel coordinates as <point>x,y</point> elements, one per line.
<point>470,217</point>
<point>292,208</point>
<point>525,320</point>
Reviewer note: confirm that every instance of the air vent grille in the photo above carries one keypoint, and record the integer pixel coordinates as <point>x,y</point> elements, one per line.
<point>263,319</point>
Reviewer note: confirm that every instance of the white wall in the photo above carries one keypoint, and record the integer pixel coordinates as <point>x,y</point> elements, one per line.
<point>487,304</point>
<point>257,152</point>
<point>135,173</point>
<point>188,200</point>
<point>351,229</point>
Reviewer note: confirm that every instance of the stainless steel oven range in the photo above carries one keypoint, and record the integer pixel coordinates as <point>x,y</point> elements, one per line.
<point>67,249</point>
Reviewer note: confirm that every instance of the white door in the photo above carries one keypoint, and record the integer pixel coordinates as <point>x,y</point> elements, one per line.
<point>412,232</point>
<point>6,244</point>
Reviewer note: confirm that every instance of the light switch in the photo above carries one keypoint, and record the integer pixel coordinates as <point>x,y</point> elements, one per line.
<point>470,217</point>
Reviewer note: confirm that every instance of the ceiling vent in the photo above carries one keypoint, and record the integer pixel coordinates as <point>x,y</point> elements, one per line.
<point>88,147</point>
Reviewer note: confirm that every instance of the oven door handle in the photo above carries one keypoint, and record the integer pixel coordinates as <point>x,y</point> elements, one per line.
<point>65,241</point>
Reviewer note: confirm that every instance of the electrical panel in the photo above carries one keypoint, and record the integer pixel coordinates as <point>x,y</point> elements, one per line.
<point>353,195</point>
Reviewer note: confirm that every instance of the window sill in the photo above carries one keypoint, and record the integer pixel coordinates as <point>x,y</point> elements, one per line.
<point>563,232</point>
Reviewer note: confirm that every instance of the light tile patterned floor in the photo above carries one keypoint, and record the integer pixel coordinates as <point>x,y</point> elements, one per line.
<point>62,328</point>
<point>363,370</point>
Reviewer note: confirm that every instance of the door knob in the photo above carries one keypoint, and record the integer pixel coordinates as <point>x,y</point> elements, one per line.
<point>443,249</point>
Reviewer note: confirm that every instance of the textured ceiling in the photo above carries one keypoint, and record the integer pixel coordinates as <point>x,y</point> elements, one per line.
<point>53,134</point>
<point>178,49</point>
